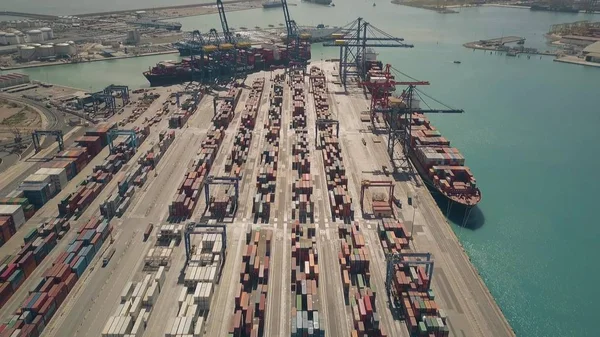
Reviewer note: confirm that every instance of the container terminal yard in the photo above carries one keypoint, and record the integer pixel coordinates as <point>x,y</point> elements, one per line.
<point>283,203</point>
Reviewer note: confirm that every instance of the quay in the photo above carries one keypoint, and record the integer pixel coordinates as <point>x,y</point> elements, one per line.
<point>470,310</point>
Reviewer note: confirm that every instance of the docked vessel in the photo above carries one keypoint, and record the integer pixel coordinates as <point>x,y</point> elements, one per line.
<point>174,26</point>
<point>320,2</point>
<point>547,8</point>
<point>271,4</point>
<point>441,166</point>
<point>210,68</point>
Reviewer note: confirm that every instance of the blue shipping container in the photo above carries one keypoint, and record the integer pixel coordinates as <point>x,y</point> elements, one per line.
<point>16,279</point>
<point>40,253</point>
<point>27,317</point>
<point>50,312</point>
<point>69,258</point>
<point>79,267</point>
<point>30,304</point>
<point>90,253</point>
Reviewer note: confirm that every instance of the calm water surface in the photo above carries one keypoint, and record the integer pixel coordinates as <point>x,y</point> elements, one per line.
<point>530,135</point>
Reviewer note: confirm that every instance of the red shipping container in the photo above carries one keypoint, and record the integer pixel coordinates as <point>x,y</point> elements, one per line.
<point>70,282</point>
<point>64,273</point>
<point>39,303</point>
<point>5,293</point>
<point>8,272</point>
<point>48,285</point>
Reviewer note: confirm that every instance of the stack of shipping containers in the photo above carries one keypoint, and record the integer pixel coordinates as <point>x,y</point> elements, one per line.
<point>251,294</point>
<point>354,261</point>
<point>305,282</point>
<point>187,195</point>
<point>243,138</point>
<point>335,172</point>
<point>411,285</point>
<point>269,156</point>
<point>302,187</point>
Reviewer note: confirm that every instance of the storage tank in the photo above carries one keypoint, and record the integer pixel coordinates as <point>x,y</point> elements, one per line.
<point>62,49</point>
<point>27,53</point>
<point>12,38</point>
<point>44,51</point>
<point>35,35</point>
<point>48,33</point>
<point>3,38</point>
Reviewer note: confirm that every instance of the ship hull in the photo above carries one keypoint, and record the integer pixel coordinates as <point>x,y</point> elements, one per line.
<point>321,2</point>
<point>433,188</point>
<point>271,5</point>
<point>162,80</point>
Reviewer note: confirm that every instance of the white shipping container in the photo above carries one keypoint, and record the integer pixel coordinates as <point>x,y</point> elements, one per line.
<point>119,309</point>
<point>126,327</point>
<point>175,326</point>
<point>15,212</point>
<point>188,325</point>
<point>126,291</point>
<point>192,311</point>
<point>182,310</point>
<point>213,274</point>
<point>170,324</point>
<point>57,175</point>
<point>182,295</point>
<point>115,325</point>
<point>181,326</point>
<point>160,276</point>
<point>126,307</point>
<point>136,291</point>
<point>199,326</point>
<point>106,330</point>
<point>135,307</point>
<point>138,327</point>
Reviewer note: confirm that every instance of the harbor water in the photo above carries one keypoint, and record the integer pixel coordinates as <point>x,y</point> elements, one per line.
<point>529,134</point>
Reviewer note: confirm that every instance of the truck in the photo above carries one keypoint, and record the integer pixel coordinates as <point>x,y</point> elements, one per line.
<point>109,254</point>
<point>148,231</point>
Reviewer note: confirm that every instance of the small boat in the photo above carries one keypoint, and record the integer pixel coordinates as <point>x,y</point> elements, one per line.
<point>457,62</point>
<point>374,5</point>
<point>332,5</point>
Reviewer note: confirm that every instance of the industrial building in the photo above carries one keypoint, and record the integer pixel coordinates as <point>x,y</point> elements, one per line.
<point>13,79</point>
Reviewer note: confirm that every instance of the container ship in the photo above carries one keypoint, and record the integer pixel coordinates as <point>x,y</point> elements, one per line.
<point>320,2</point>
<point>271,4</point>
<point>248,60</point>
<point>548,8</point>
<point>441,166</point>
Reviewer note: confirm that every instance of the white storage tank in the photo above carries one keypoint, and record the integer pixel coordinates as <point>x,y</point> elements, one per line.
<point>27,53</point>
<point>3,38</point>
<point>45,51</point>
<point>62,49</point>
<point>12,38</point>
<point>35,35</point>
<point>48,34</point>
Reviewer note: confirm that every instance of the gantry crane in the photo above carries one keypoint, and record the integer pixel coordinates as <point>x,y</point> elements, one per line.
<point>297,60</point>
<point>354,46</point>
<point>56,133</point>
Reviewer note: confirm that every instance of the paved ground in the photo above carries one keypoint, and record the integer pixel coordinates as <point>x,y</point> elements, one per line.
<point>460,291</point>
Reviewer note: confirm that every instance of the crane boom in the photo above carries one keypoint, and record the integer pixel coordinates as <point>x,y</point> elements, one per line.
<point>226,33</point>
